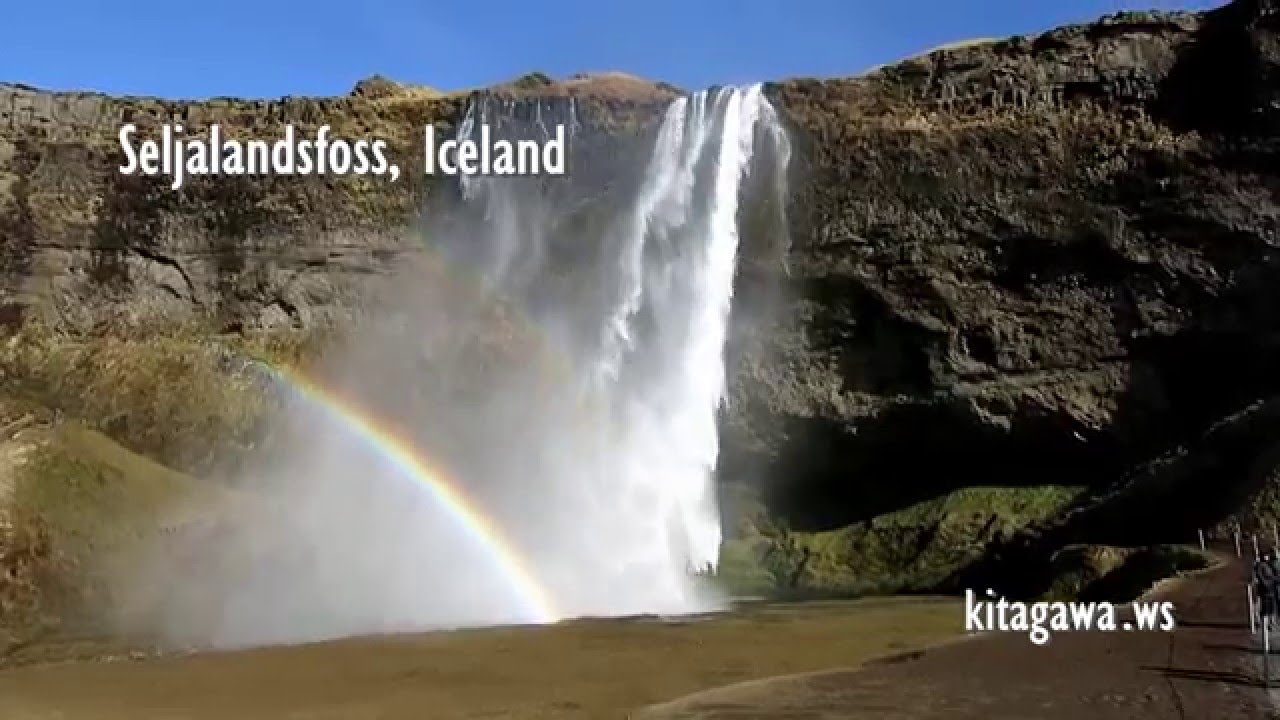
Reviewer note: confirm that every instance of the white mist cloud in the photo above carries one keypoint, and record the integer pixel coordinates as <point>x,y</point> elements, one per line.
<point>568,381</point>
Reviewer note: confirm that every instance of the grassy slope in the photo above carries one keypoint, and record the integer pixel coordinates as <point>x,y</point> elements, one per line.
<point>162,392</point>
<point>77,501</point>
<point>1092,572</point>
<point>908,550</point>
<point>93,493</point>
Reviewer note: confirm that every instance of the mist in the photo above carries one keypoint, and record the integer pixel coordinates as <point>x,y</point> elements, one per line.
<point>556,356</point>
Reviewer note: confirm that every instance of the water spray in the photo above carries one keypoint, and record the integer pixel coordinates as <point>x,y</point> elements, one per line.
<point>462,484</point>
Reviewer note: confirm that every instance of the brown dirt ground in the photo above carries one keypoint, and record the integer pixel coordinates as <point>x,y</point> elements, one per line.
<point>766,661</point>
<point>585,669</point>
<point>1205,669</point>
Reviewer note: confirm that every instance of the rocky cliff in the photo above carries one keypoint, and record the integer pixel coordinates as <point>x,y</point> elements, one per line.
<point>80,242</point>
<point>1034,261</point>
<point>1040,261</point>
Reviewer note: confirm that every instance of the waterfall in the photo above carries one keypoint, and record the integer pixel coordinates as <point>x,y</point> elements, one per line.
<point>523,426</point>
<point>649,344</point>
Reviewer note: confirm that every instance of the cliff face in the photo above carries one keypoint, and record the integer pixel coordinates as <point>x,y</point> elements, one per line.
<point>1034,261</point>
<point>78,237</point>
<point>80,242</point>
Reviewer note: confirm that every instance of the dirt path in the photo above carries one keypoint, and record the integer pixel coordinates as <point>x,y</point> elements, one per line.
<point>587,670</point>
<point>1205,669</point>
<point>601,669</point>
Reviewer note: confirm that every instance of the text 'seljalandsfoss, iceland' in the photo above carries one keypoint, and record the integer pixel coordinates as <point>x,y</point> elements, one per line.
<point>178,156</point>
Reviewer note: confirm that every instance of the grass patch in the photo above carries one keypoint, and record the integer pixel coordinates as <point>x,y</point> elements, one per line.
<point>177,394</point>
<point>1093,573</point>
<point>910,550</point>
<point>78,501</point>
<point>92,492</point>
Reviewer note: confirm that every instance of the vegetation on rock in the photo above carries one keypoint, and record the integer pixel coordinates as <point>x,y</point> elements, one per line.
<point>1026,309</point>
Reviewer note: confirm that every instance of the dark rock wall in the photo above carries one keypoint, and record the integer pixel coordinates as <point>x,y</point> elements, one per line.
<point>80,239</point>
<point>79,242</point>
<point>1034,261</point>
<point>1042,260</point>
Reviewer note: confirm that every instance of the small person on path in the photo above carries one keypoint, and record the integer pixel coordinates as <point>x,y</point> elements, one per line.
<point>1266,585</point>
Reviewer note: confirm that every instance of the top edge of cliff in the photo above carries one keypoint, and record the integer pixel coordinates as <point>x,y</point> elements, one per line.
<point>1129,20</point>
<point>379,88</point>
<point>617,85</point>
<point>602,84</point>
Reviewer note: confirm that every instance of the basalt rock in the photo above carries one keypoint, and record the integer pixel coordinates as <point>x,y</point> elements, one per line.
<point>1035,261</point>
<point>81,243</point>
<point>1042,260</point>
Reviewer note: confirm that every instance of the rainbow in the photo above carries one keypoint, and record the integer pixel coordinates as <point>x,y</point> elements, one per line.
<point>380,437</point>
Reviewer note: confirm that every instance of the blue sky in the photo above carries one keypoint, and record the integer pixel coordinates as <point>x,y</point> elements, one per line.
<point>268,48</point>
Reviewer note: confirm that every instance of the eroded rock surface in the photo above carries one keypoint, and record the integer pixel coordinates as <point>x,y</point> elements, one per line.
<point>80,242</point>
<point>1034,261</point>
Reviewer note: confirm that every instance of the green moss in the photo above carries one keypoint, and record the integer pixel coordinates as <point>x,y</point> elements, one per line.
<point>79,502</point>
<point>89,490</point>
<point>168,392</point>
<point>912,549</point>
<point>1098,573</point>
<point>1077,567</point>
<point>744,570</point>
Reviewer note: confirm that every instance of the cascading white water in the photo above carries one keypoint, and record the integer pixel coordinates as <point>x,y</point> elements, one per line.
<point>597,472</point>
<point>673,445</point>
<point>646,503</point>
